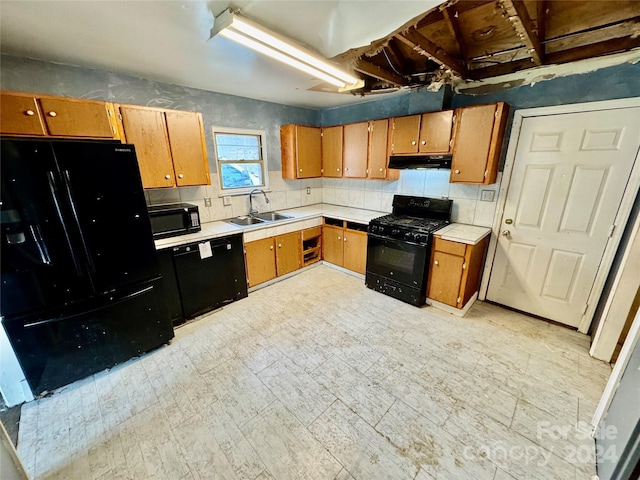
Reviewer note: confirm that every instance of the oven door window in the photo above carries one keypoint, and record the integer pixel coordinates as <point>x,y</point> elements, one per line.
<point>397,260</point>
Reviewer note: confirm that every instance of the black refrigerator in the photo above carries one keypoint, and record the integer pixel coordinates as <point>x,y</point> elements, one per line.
<point>80,285</point>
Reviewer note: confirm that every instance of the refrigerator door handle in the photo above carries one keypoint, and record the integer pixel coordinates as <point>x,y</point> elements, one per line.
<point>85,312</point>
<point>67,183</point>
<point>53,189</point>
<point>42,248</point>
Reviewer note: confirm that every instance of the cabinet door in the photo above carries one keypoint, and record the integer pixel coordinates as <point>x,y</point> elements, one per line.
<point>332,152</point>
<point>332,245</point>
<point>356,148</point>
<point>288,253</point>
<point>445,277</point>
<point>473,142</point>
<point>378,157</point>
<point>435,132</point>
<point>20,116</point>
<point>405,134</point>
<point>188,150</point>
<point>77,118</point>
<point>261,261</point>
<point>355,251</point>
<point>146,129</point>
<point>309,152</point>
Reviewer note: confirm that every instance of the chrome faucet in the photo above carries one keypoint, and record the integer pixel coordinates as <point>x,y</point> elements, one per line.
<point>253,211</point>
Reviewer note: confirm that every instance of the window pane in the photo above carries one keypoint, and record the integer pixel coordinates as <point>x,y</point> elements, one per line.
<point>237,175</point>
<point>238,140</point>
<point>237,152</point>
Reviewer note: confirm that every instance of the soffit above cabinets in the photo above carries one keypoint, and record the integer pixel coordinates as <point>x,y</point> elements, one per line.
<point>395,46</point>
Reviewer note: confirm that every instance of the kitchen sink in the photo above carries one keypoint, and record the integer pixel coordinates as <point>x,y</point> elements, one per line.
<point>271,216</point>
<point>245,220</point>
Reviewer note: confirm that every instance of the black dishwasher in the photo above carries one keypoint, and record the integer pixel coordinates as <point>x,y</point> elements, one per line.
<point>208,274</point>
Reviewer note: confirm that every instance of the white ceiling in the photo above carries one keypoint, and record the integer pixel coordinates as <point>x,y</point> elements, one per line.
<point>169,41</point>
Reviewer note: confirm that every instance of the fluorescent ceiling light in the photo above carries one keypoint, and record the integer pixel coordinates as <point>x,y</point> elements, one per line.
<point>258,38</point>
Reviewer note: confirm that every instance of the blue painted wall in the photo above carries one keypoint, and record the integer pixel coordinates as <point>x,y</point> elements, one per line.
<point>26,75</point>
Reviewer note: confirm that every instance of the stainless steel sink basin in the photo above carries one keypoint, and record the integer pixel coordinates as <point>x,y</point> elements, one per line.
<point>271,216</point>
<point>245,220</point>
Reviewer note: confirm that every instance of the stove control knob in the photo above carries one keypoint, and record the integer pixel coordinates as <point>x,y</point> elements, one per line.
<point>409,235</point>
<point>395,231</point>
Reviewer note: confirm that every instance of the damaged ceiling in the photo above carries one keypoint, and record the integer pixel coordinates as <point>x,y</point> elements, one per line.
<point>471,40</point>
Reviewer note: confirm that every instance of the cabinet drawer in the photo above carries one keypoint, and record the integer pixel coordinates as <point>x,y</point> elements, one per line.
<point>311,232</point>
<point>454,248</point>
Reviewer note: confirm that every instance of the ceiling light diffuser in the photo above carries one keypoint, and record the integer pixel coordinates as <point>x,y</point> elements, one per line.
<point>256,37</point>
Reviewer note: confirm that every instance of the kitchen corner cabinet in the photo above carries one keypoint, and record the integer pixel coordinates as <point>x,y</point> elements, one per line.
<point>43,115</point>
<point>170,145</point>
<point>345,244</point>
<point>479,133</point>
<point>272,257</point>
<point>455,271</point>
<point>427,133</point>
<point>301,151</point>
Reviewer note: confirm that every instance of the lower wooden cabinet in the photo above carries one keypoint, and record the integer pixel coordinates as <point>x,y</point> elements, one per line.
<point>272,257</point>
<point>345,244</point>
<point>455,271</point>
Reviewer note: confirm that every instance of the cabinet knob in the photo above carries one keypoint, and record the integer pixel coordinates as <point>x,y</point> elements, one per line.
<point>345,239</point>
<point>52,114</point>
<point>456,171</point>
<point>381,169</point>
<point>300,169</point>
<point>29,113</point>
<point>270,247</point>
<point>337,169</point>
<point>279,245</point>
<point>423,142</point>
<point>181,175</point>
<point>413,143</point>
<point>436,262</point>
<point>167,177</point>
<point>339,238</point>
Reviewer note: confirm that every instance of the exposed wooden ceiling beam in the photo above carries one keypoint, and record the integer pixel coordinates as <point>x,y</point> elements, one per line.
<point>456,33</point>
<point>594,50</point>
<point>524,27</point>
<point>395,57</point>
<point>500,69</point>
<point>426,47</point>
<point>541,19</point>
<point>373,70</point>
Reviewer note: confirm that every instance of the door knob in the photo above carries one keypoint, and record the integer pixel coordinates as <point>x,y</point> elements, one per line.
<point>506,233</point>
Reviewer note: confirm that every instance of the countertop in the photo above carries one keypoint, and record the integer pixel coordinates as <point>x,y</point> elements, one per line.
<point>462,233</point>
<point>221,228</point>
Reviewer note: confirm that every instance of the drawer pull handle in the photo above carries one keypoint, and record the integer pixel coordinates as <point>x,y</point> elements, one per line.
<point>29,113</point>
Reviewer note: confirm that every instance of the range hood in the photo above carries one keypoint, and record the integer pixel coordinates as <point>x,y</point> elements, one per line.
<point>420,161</point>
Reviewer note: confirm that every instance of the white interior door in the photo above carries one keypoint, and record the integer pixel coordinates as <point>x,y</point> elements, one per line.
<point>569,176</point>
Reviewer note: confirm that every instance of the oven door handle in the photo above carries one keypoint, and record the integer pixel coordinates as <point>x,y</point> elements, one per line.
<point>397,240</point>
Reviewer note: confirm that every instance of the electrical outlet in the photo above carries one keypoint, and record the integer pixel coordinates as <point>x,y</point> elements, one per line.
<point>487,195</point>
<point>308,190</point>
<point>226,200</point>
<point>207,201</point>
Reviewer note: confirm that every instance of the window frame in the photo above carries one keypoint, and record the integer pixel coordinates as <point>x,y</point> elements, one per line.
<point>225,192</point>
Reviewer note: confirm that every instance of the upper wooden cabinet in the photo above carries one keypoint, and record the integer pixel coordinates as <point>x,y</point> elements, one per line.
<point>379,151</point>
<point>479,133</point>
<point>427,133</point>
<point>28,114</point>
<point>301,149</point>
<point>356,149</point>
<point>332,148</point>
<point>169,145</point>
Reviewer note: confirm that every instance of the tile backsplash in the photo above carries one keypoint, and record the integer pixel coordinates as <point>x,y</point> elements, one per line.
<point>368,194</point>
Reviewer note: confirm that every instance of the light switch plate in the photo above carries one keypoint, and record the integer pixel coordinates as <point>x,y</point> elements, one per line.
<point>207,201</point>
<point>487,195</point>
<point>226,200</point>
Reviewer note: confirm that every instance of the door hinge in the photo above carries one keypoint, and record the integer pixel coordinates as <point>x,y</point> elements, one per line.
<point>393,127</point>
<point>322,134</point>
<point>464,265</point>
<point>120,116</point>
<point>586,307</point>
<point>370,128</point>
<point>486,172</point>
<point>611,229</point>
<point>496,114</point>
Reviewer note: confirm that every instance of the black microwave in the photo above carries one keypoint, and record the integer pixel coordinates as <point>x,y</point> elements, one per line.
<point>174,219</point>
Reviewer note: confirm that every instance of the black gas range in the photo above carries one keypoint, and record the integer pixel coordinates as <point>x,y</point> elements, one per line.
<point>399,247</point>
